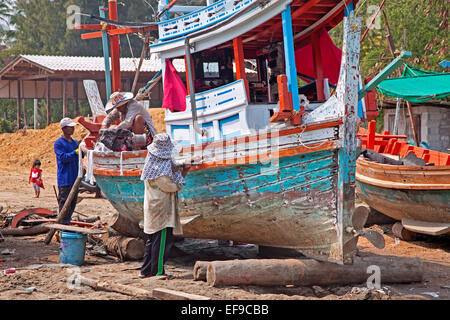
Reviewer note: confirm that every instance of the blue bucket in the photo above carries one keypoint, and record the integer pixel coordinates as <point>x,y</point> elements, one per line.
<point>72,247</point>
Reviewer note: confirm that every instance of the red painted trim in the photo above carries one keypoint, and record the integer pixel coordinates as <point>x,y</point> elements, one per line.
<point>240,63</point>
<point>115,49</point>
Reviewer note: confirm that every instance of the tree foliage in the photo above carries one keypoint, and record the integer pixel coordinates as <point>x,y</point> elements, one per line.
<point>41,26</point>
<point>426,29</point>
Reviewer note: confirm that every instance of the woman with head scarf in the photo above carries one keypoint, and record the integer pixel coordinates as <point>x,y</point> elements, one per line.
<point>162,181</point>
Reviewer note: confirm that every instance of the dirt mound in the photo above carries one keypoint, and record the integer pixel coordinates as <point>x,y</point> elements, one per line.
<point>18,150</point>
<point>21,148</point>
<point>158,115</point>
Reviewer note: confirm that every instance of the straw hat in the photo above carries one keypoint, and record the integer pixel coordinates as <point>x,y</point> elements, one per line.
<point>161,146</point>
<point>117,99</point>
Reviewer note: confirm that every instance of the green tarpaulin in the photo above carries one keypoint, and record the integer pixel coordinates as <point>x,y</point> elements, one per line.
<point>416,85</point>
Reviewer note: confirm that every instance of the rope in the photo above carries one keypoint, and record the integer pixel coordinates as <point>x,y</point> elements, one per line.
<point>132,54</point>
<point>304,145</point>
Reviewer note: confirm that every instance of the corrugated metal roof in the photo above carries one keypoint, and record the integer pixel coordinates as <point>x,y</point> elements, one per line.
<point>70,63</point>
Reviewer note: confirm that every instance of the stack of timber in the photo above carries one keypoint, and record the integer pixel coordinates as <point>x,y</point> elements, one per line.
<point>129,241</point>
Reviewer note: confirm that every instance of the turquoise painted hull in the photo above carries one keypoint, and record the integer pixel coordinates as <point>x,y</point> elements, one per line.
<point>292,204</point>
<point>420,205</point>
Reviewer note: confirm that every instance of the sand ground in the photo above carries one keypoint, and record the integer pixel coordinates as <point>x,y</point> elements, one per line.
<point>51,283</point>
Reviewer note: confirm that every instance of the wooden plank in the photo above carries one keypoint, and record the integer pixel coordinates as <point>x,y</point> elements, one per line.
<point>431,228</point>
<point>64,227</point>
<point>167,294</point>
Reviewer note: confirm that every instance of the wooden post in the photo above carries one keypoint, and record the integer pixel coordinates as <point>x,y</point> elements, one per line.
<point>186,72</point>
<point>75,93</point>
<point>106,56</point>
<point>64,97</point>
<point>240,63</point>
<point>35,113</point>
<point>289,56</point>
<point>18,104</point>
<point>48,101</point>
<point>25,117</point>
<point>318,65</point>
<point>413,126</point>
<point>115,48</point>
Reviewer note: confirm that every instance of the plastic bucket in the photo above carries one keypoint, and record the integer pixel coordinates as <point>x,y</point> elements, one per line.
<point>72,247</point>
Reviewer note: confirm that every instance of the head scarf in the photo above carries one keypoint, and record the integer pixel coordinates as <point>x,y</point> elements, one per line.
<point>159,160</point>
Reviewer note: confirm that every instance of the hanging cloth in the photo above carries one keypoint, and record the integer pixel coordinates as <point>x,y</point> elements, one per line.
<point>331,59</point>
<point>175,92</point>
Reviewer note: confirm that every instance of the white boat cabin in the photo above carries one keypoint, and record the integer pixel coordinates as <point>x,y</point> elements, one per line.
<point>262,35</point>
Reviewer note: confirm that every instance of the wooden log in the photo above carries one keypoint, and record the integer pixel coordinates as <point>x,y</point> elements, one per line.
<point>115,287</point>
<point>200,269</point>
<point>167,294</point>
<point>125,226</point>
<point>308,272</point>
<point>400,232</point>
<point>25,232</point>
<point>125,248</point>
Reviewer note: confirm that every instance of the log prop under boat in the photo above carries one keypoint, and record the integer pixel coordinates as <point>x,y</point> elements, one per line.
<point>418,196</point>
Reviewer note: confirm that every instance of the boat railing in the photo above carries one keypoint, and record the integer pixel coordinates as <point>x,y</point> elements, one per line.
<point>221,112</point>
<point>201,18</point>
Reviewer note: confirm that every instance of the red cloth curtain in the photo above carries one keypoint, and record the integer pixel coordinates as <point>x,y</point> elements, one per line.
<point>331,59</point>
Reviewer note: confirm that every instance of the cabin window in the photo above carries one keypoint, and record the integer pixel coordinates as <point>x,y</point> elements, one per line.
<point>211,70</point>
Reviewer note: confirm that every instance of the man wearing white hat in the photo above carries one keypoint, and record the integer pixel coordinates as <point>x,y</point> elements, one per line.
<point>131,114</point>
<point>66,150</point>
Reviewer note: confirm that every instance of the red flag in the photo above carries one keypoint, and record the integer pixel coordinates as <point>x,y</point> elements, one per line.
<point>174,90</point>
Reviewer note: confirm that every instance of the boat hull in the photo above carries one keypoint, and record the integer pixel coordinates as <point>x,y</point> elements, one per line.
<point>292,204</point>
<point>405,192</point>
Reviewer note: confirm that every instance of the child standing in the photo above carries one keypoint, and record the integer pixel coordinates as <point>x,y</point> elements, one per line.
<point>162,181</point>
<point>36,178</point>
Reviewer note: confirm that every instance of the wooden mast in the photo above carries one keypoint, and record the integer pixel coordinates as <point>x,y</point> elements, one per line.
<point>115,48</point>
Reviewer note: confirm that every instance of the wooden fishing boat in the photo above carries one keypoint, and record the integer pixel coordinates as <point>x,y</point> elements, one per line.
<point>416,195</point>
<point>271,173</point>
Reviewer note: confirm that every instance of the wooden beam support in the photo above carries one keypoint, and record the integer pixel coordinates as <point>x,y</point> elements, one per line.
<point>289,56</point>
<point>240,63</point>
<point>75,93</point>
<point>48,101</point>
<point>318,65</point>
<point>413,126</point>
<point>115,49</point>
<point>18,103</point>
<point>64,97</point>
